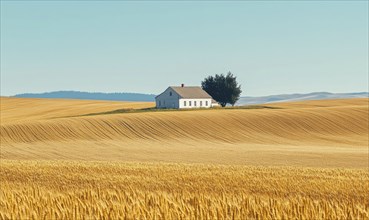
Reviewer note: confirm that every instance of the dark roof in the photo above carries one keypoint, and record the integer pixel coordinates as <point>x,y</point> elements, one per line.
<point>191,92</point>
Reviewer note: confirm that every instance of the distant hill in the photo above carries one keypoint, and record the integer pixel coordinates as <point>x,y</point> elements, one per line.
<point>138,97</point>
<point>299,97</point>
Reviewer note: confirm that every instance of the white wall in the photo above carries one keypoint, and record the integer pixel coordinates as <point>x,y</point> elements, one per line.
<point>182,103</point>
<point>165,100</point>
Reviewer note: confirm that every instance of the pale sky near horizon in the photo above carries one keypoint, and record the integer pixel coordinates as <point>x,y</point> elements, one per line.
<point>123,46</point>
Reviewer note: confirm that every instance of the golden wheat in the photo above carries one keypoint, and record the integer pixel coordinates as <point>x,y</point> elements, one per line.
<point>103,190</point>
<point>39,137</point>
<point>325,133</point>
<point>21,110</point>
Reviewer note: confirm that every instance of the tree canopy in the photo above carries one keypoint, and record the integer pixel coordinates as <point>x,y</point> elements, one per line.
<point>223,88</point>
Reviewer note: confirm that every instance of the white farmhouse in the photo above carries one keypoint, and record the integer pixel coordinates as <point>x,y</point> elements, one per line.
<point>184,97</point>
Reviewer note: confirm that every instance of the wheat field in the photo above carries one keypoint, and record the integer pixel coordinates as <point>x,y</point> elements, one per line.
<point>73,159</point>
<point>106,190</point>
<point>330,133</point>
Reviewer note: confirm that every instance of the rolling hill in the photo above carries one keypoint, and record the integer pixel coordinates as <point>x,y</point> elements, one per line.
<point>311,133</point>
<point>85,159</point>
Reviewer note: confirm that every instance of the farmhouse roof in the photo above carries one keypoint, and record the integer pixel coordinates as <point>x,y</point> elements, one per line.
<point>191,92</point>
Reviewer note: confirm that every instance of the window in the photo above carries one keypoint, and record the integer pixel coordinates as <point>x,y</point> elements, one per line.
<point>159,103</point>
<point>194,103</point>
<point>189,103</point>
<point>184,103</point>
<point>200,103</point>
<point>206,103</point>
<point>170,93</point>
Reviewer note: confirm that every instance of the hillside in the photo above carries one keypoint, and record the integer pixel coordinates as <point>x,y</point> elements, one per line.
<point>313,133</point>
<point>22,110</point>
<point>78,159</point>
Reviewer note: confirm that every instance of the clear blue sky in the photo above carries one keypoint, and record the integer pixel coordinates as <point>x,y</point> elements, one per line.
<point>120,46</point>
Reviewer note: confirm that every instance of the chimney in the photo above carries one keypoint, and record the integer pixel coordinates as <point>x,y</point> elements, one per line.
<point>182,85</point>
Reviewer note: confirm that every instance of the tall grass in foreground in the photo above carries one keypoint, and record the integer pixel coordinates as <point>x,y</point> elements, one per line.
<point>89,190</point>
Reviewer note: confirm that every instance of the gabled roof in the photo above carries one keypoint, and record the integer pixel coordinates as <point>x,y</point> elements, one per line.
<point>191,92</point>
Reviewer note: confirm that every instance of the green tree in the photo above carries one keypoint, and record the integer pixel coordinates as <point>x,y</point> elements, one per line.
<point>223,88</point>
